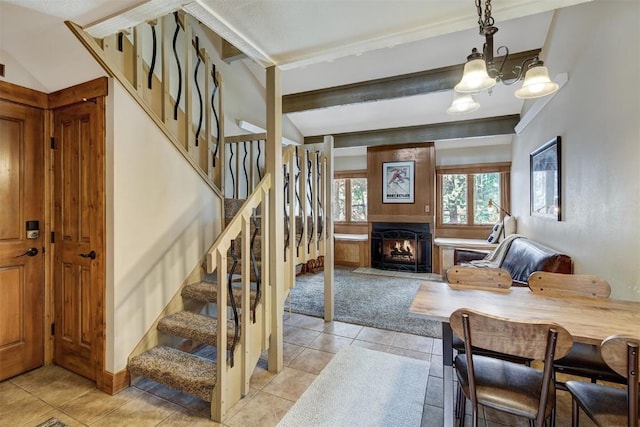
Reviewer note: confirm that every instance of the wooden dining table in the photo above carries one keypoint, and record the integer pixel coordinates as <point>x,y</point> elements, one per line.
<point>588,319</point>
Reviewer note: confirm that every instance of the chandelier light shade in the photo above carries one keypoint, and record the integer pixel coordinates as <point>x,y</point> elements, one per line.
<point>536,83</point>
<point>462,103</point>
<point>482,73</point>
<point>475,77</point>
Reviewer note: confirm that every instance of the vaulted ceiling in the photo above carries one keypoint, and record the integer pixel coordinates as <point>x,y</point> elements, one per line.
<point>366,71</point>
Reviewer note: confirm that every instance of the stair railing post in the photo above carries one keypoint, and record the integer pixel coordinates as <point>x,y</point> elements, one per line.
<point>276,226</point>
<point>245,366</point>
<point>219,398</point>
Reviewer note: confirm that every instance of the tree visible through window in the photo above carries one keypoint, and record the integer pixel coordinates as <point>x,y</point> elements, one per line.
<point>350,198</point>
<point>465,191</point>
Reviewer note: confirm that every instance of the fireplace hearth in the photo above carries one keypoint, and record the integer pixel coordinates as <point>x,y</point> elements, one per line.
<point>401,246</point>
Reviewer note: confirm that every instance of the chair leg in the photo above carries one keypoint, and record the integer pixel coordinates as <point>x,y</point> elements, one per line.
<point>575,413</point>
<point>463,408</point>
<point>459,397</point>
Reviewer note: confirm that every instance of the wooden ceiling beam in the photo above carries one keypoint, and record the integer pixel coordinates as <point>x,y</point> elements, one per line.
<point>418,83</point>
<point>503,125</point>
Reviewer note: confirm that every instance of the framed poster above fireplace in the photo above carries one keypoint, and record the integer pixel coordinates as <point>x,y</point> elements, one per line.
<point>398,181</point>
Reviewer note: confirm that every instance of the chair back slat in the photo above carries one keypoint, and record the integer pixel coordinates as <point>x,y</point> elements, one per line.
<point>558,284</point>
<point>615,352</point>
<point>518,338</point>
<point>481,278</point>
<point>620,352</point>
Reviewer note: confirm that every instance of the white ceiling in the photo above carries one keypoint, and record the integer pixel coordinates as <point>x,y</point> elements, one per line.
<point>324,43</point>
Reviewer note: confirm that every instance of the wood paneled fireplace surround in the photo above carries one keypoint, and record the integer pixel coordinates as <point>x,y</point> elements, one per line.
<point>400,234</point>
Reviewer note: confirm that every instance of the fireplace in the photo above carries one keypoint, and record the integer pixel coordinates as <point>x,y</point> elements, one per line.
<point>401,246</point>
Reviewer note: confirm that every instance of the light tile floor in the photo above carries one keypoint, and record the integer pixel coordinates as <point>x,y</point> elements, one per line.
<point>309,345</point>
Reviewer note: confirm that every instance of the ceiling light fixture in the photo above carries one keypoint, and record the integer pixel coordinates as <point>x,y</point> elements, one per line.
<point>462,103</point>
<point>482,73</point>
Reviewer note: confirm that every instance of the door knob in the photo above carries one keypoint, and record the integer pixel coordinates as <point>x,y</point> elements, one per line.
<point>29,252</point>
<point>91,255</point>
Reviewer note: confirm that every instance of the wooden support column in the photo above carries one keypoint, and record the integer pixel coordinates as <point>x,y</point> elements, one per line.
<point>328,224</point>
<point>276,212</point>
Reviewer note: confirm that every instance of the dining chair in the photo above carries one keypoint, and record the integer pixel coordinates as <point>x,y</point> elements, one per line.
<point>584,360</point>
<point>500,384</point>
<point>606,405</point>
<point>482,279</point>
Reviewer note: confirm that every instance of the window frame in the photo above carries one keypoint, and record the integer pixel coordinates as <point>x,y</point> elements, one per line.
<point>347,176</point>
<point>503,168</point>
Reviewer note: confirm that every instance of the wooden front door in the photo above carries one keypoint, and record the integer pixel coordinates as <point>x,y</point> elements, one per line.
<point>21,259</point>
<point>79,234</point>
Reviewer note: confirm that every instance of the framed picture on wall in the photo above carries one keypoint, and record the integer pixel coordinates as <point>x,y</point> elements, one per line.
<point>545,180</point>
<point>398,182</point>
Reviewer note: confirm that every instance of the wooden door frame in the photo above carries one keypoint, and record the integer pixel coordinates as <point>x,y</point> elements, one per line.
<point>84,92</point>
<point>91,91</point>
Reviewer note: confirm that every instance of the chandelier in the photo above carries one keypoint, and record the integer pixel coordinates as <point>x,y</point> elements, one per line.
<point>481,72</point>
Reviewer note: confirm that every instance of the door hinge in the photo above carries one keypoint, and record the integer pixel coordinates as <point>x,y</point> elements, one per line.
<point>53,143</point>
<point>53,237</point>
<point>53,329</point>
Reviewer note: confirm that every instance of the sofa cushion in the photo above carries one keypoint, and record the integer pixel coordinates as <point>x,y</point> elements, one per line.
<point>526,256</point>
<point>510,226</point>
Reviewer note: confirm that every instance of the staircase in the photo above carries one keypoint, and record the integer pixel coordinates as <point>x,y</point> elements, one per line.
<point>187,367</point>
<point>234,299</point>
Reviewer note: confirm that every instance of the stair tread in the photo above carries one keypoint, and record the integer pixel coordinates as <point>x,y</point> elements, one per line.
<point>208,292</point>
<point>201,329</point>
<point>176,369</point>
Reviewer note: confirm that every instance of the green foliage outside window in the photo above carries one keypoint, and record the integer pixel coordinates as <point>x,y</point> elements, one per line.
<point>350,199</point>
<point>455,198</point>
<point>339,192</point>
<point>358,199</point>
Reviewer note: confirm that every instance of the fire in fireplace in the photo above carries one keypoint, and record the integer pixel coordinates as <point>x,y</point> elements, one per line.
<point>401,246</point>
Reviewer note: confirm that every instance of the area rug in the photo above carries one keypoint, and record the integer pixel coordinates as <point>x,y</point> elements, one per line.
<point>362,387</point>
<point>363,299</point>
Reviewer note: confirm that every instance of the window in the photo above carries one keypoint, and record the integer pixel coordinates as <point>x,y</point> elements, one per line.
<point>350,196</point>
<point>464,193</point>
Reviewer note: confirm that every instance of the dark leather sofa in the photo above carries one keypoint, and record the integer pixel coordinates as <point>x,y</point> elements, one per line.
<point>522,257</point>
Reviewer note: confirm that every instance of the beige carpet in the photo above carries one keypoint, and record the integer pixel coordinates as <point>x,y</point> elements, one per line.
<point>362,387</point>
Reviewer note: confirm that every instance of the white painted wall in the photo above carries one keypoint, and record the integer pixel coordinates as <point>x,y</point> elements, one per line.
<point>472,155</point>
<point>161,219</point>
<point>597,114</point>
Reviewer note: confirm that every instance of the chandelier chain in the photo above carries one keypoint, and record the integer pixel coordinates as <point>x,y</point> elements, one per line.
<point>488,20</point>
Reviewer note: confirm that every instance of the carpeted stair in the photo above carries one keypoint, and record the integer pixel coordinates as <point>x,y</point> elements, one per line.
<point>176,369</point>
<point>185,371</point>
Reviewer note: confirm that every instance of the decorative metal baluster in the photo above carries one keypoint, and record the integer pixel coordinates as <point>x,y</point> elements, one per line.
<point>320,208</point>
<point>310,200</point>
<point>254,264</point>
<point>232,300</point>
<point>120,41</point>
<point>154,53</point>
<point>302,217</point>
<point>258,162</point>
<point>195,79</point>
<point>175,54</point>
<point>215,113</point>
<point>286,211</point>
<point>244,167</point>
<point>233,178</point>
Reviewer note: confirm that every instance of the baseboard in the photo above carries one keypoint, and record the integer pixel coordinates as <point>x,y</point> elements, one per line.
<point>114,383</point>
